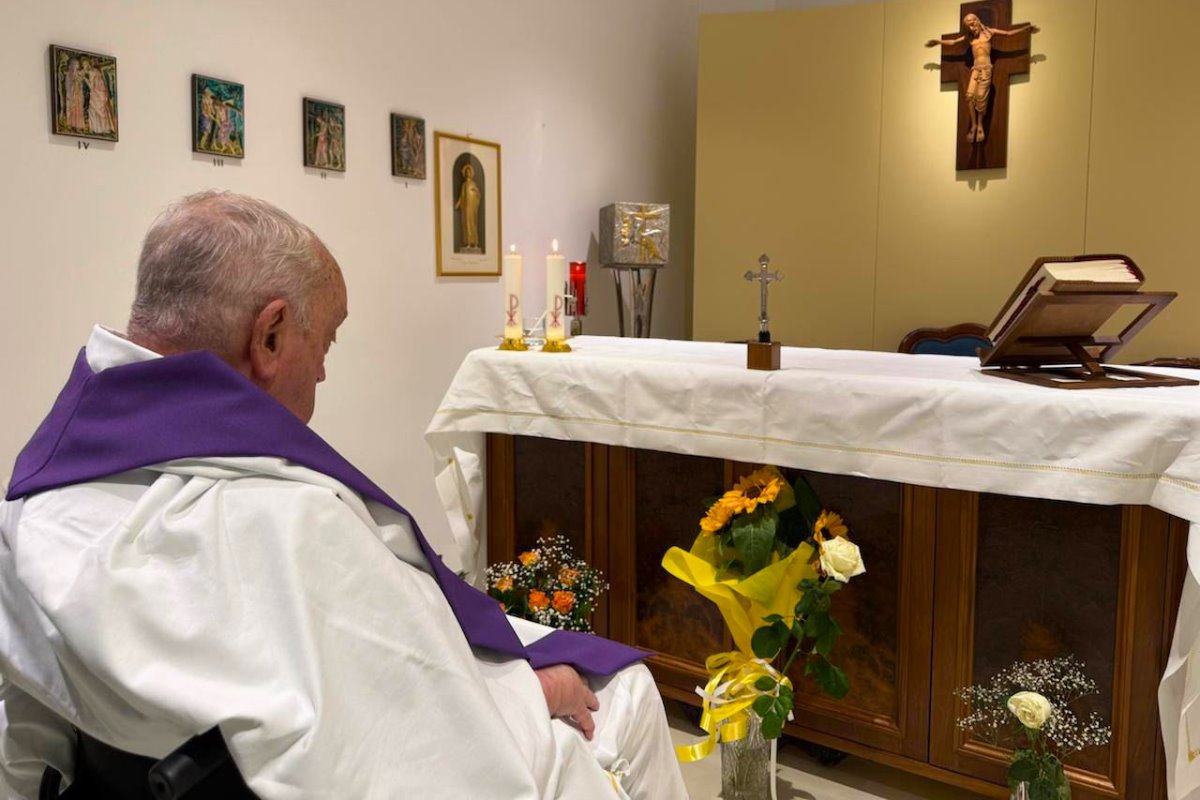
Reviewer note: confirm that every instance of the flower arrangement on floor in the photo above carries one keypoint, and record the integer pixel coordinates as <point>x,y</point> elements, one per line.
<point>1028,706</point>
<point>771,558</point>
<point>548,585</point>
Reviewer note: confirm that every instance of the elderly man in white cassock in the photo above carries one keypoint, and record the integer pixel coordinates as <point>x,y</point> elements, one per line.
<point>179,550</point>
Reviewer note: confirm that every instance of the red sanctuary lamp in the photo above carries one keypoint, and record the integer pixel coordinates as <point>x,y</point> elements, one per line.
<point>577,307</point>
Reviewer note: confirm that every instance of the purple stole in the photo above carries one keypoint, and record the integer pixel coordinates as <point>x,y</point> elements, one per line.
<point>196,406</point>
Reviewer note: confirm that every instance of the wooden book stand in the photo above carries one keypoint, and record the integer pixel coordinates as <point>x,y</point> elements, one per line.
<point>1052,341</point>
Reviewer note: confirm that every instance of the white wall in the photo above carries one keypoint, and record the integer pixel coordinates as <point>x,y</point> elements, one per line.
<point>591,102</point>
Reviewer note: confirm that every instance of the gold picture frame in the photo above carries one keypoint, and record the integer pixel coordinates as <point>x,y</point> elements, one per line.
<point>466,196</point>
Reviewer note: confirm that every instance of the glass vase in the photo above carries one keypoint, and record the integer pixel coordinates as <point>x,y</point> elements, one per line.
<point>747,766</point>
<point>1057,789</point>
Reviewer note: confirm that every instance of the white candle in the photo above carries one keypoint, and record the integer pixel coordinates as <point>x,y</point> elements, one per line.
<point>556,280</point>
<point>512,294</point>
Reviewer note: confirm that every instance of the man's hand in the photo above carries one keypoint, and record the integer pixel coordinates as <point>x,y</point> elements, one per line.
<point>568,696</point>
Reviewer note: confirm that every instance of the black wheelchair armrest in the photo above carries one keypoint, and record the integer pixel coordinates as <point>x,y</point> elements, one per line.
<point>189,764</point>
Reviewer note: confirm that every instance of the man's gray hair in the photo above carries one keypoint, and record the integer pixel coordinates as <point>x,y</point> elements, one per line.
<point>212,261</point>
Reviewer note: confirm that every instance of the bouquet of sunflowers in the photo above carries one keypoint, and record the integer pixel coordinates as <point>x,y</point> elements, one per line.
<point>771,558</point>
<point>548,585</point>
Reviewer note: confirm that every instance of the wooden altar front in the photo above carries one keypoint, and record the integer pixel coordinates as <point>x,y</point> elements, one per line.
<point>959,585</point>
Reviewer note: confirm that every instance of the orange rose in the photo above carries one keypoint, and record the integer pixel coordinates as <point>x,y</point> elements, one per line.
<point>538,599</point>
<point>528,558</point>
<point>504,584</point>
<point>564,602</point>
<point>568,576</point>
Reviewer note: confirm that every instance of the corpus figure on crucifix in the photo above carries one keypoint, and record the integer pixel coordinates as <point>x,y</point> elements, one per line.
<point>981,59</point>
<point>981,69</point>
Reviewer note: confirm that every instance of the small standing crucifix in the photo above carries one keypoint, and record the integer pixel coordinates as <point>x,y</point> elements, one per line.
<point>981,58</point>
<point>764,278</point>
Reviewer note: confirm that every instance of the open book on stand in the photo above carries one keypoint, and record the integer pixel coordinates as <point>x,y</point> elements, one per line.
<point>1048,331</point>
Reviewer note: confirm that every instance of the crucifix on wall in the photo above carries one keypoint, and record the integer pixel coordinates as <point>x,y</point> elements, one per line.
<point>981,58</point>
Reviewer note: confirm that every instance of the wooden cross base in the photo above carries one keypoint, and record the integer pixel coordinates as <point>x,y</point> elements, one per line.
<point>762,355</point>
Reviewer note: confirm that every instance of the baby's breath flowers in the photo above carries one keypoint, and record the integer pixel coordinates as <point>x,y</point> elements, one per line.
<point>1028,706</point>
<point>548,585</point>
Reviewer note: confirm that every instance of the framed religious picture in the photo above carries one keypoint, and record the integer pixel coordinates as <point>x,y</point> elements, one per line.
<point>83,93</point>
<point>324,135</point>
<point>408,147</point>
<point>466,178</point>
<point>218,117</point>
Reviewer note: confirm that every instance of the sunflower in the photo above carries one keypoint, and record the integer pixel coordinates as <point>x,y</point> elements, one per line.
<point>829,525</point>
<point>717,517</point>
<point>760,487</point>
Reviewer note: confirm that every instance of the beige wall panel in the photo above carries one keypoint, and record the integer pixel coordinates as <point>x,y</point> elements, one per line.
<point>952,245</point>
<point>1142,193</point>
<point>787,163</point>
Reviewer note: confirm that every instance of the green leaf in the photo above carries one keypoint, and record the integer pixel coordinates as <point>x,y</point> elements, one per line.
<point>772,726</point>
<point>765,684</point>
<point>1022,769</point>
<point>828,636</point>
<point>754,537</point>
<point>766,642</point>
<point>831,679</point>
<point>763,705</point>
<point>786,694</point>
<point>831,586</point>
<point>807,603</point>
<point>773,618</point>
<point>807,501</point>
<point>815,624</point>
<point>793,528</point>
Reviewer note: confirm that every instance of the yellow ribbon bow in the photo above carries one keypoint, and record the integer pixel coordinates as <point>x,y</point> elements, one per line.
<point>728,696</point>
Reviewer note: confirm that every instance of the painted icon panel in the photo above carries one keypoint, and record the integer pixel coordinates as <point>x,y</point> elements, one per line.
<point>218,117</point>
<point>83,93</point>
<point>324,135</point>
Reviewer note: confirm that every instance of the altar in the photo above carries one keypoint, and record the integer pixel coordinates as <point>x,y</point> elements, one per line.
<point>998,521</point>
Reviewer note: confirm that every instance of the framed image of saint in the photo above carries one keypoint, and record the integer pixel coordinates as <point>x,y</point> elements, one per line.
<point>83,93</point>
<point>218,117</point>
<point>324,135</point>
<point>466,176</point>
<point>408,147</point>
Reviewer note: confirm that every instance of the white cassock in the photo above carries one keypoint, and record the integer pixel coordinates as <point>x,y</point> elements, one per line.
<point>271,600</point>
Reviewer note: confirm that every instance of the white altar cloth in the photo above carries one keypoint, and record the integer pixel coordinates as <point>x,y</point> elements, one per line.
<point>926,420</point>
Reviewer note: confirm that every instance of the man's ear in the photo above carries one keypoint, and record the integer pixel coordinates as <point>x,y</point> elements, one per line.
<point>271,327</point>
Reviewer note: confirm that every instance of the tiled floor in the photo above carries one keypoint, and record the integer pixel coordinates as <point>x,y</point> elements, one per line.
<point>802,778</point>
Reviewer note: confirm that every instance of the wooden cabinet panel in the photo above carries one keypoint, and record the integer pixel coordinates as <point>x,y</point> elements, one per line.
<point>885,616</point>
<point>550,488</point>
<point>671,617</point>
<point>998,600</point>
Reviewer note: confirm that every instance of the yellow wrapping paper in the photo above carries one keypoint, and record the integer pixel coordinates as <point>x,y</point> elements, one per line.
<point>743,602</point>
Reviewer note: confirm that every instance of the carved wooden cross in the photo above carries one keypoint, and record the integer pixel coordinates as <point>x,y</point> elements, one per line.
<point>983,110</point>
<point>765,279</point>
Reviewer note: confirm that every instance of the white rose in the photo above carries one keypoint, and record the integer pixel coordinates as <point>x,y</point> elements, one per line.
<point>1031,708</point>
<point>841,560</point>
